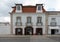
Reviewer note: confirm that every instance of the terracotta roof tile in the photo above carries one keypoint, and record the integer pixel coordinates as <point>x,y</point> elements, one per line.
<point>27,9</point>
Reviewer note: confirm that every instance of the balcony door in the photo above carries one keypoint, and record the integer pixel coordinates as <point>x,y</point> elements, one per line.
<point>18,21</point>
<point>39,19</point>
<point>18,31</point>
<point>28,30</point>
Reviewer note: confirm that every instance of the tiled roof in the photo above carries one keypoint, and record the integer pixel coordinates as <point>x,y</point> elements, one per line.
<point>27,9</point>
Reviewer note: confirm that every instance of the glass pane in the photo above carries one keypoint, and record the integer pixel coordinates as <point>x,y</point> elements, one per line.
<point>39,20</point>
<point>39,7</point>
<point>19,30</point>
<point>18,19</point>
<point>29,20</point>
<point>53,19</point>
<point>18,7</point>
<point>53,24</point>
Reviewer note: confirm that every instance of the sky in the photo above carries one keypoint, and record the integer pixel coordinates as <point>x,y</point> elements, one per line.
<point>5,6</point>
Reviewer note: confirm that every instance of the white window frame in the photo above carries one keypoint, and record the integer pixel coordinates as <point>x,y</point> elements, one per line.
<point>17,8</point>
<point>18,18</point>
<point>18,21</point>
<point>53,22</point>
<point>40,9</point>
<point>29,20</point>
<point>39,19</point>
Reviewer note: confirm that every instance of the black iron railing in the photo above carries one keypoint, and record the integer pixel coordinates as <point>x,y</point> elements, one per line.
<point>18,24</point>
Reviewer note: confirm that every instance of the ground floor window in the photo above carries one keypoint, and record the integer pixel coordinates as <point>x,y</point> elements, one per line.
<point>18,31</point>
<point>28,30</point>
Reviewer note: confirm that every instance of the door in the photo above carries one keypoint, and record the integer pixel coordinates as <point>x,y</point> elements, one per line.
<point>28,31</point>
<point>18,31</point>
<point>52,31</point>
<point>38,31</point>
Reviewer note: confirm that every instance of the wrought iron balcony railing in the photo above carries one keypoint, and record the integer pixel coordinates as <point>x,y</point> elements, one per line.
<point>29,24</point>
<point>18,24</point>
<point>39,24</point>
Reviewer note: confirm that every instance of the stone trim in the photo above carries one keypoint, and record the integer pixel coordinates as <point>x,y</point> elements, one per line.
<point>11,15</point>
<point>46,24</point>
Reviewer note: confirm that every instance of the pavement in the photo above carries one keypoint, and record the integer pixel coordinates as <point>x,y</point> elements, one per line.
<point>42,39</point>
<point>29,38</point>
<point>54,37</point>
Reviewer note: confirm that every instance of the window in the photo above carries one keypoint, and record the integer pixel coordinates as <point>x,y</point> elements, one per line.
<point>19,30</point>
<point>53,19</point>
<point>18,19</point>
<point>39,19</point>
<point>18,7</point>
<point>39,7</point>
<point>6,24</point>
<point>53,22</point>
<point>29,29</point>
<point>28,19</point>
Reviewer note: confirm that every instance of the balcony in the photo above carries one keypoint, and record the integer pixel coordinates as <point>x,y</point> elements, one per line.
<point>28,24</point>
<point>54,27</point>
<point>39,24</point>
<point>18,24</point>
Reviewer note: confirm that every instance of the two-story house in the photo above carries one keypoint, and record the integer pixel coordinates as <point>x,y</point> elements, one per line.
<point>34,20</point>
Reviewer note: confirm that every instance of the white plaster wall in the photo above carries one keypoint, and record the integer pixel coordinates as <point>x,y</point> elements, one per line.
<point>59,31</point>
<point>5,29</point>
<point>24,18</point>
<point>49,31</point>
<point>54,16</point>
<point>57,20</point>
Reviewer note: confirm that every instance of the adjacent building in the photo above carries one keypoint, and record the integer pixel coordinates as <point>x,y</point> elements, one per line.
<point>34,20</point>
<point>53,22</point>
<point>5,28</point>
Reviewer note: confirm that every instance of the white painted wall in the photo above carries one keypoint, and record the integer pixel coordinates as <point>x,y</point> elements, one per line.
<point>24,20</point>
<point>57,20</point>
<point>5,29</point>
<point>54,16</point>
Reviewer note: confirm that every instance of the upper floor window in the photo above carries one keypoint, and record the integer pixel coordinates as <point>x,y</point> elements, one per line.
<point>18,7</point>
<point>18,19</point>
<point>28,19</point>
<point>39,7</point>
<point>53,22</point>
<point>53,19</point>
<point>39,19</point>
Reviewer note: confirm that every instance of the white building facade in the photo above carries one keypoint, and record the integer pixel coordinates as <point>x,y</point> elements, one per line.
<point>5,28</point>
<point>34,20</point>
<point>54,22</point>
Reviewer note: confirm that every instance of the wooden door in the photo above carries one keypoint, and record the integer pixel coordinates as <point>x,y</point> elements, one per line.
<point>38,31</point>
<point>28,31</point>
